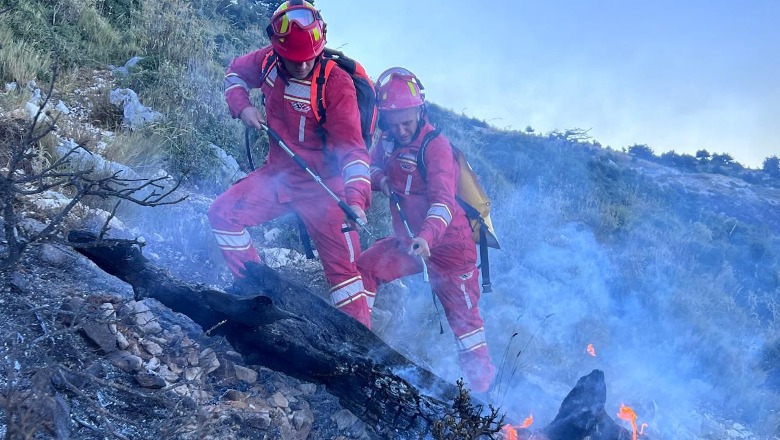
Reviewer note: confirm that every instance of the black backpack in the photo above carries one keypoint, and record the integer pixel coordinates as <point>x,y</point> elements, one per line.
<point>364,88</point>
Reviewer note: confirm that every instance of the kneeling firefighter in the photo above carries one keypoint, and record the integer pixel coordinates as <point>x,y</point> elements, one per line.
<point>431,230</point>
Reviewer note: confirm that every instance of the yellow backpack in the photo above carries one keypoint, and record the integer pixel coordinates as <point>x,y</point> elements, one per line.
<point>474,201</point>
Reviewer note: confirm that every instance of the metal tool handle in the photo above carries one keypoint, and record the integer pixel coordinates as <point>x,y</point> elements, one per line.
<point>302,163</point>
<point>405,220</point>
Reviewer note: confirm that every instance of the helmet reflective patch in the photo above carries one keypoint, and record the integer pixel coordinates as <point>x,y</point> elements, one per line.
<point>412,88</point>
<point>316,34</point>
<point>285,25</point>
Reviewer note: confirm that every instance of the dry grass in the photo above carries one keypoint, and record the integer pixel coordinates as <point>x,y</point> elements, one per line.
<point>11,133</point>
<point>104,114</point>
<point>173,31</point>
<point>143,150</point>
<point>18,60</point>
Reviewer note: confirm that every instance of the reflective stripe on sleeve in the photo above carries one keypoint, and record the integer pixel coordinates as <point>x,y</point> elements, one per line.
<point>233,81</point>
<point>440,211</point>
<point>355,171</point>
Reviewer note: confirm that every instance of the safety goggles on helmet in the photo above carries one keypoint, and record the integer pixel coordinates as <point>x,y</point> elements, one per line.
<point>399,72</point>
<point>305,17</point>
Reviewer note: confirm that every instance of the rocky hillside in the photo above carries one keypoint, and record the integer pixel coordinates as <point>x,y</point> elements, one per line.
<point>670,272</point>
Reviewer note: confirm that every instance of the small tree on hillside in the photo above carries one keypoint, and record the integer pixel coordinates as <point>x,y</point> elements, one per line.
<point>771,167</point>
<point>684,162</point>
<point>724,159</point>
<point>641,152</point>
<point>669,158</point>
<point>703,156</point>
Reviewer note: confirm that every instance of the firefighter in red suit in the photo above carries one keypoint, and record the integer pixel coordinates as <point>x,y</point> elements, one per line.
<point>334,150</point>
<point>440,229</point>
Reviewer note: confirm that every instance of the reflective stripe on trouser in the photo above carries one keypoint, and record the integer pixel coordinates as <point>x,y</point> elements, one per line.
<point>458,291</point>
<point>237,248</point>
<point>246,203</point>
<point>459,294</point>
<point>252,201</point>
<point>338,246</point>
<point>350,297</point>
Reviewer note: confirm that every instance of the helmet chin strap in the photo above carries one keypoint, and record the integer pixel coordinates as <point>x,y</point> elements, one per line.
<point>421,119</point>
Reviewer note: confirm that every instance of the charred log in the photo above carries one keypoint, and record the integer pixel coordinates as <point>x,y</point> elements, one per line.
<point>287,327</point>
<point>582,415</point>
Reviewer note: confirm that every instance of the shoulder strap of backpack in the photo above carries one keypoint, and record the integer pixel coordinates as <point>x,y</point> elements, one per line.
<point>269,62</point>
<point>317,96</point>
<point>421,153</point>
<point>484,264</point>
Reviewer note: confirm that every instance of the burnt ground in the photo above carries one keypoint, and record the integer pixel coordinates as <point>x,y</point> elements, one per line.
<point>80,361</point>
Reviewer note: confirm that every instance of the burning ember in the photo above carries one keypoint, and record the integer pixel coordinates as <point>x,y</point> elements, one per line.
<point>509,431</point>
<point>591,350</point>
<point>628,414</point>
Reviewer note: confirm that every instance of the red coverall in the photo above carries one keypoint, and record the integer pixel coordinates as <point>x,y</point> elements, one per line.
<point>280,186</point>
<point>435,216</point>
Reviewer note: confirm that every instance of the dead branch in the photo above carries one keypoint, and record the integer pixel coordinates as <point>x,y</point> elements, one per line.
<point>59,175</point>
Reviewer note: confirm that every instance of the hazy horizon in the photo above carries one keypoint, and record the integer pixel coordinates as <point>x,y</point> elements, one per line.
<point>675,76</point>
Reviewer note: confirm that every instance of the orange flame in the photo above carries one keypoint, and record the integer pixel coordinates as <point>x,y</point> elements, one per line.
<point>591,350</point>
<point>509,432</point>
<point>628,414</point>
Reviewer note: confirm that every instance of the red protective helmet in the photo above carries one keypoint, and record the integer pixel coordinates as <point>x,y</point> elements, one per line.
<point>398,88</point>
<point>297,31</point>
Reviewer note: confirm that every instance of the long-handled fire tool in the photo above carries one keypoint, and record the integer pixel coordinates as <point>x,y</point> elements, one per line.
<point>397,202</point>
<point>301,163</point>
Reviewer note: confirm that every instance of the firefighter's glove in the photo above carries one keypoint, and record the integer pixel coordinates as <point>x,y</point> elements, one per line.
<point>419,247</point>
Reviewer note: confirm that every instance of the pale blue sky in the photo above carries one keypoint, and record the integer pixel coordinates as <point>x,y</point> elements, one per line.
<point>676,75</point>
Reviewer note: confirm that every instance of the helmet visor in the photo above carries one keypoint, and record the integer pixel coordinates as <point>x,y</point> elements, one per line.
<point>304,16</point>
<point>401,72</point>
